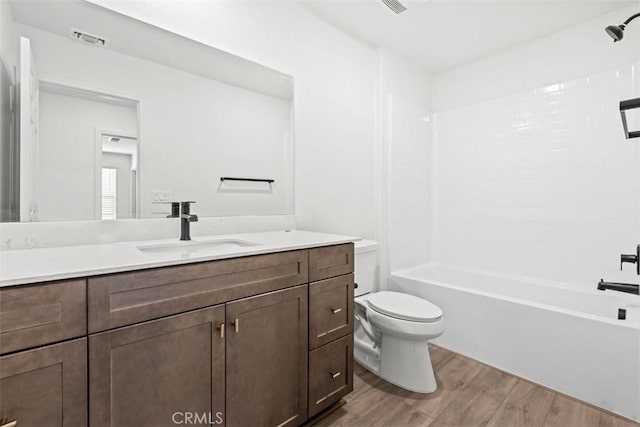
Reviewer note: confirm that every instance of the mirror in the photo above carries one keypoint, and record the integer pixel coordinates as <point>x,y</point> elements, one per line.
<point>107,117</point>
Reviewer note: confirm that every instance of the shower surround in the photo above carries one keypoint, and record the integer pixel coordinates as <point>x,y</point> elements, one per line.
<point>537,193</point>
<point>540,183</point>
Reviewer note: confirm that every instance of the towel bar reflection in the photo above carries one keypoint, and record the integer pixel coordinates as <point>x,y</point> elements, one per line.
<point>228,178</point>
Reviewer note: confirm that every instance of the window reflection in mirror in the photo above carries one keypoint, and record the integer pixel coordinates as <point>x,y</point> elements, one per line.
<point>119,157</point>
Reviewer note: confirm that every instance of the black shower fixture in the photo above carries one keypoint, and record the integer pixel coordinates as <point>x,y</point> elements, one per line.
<point>617,31</point>
<point>629,104</point>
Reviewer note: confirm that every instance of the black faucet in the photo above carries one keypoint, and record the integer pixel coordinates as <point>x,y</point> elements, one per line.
<point>185,219</point>
<point>620,287</point>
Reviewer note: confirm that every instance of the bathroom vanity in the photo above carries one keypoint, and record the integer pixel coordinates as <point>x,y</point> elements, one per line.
<point>264,338</point>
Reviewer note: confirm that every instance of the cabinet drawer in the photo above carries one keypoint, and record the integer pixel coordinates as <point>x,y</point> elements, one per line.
<point>126,298</point>
<point>46,386</point>
<point>330,374</point>
<point>42,314</point>
<point>330,309</point>
<point>330,261</point>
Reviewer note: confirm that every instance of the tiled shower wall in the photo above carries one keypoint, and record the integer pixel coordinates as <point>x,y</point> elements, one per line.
<point>408,184</point>
<point>540,183</point>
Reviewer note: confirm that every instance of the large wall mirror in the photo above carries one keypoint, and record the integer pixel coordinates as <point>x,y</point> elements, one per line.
<point>105,117</point>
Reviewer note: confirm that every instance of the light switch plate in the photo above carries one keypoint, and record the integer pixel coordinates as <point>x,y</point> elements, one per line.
<point>158,196</point>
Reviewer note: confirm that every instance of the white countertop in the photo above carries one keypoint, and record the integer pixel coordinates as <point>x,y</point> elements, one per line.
<point>18,267</point>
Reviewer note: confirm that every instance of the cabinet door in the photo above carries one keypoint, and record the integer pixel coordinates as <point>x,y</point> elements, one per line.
<point>46,386</point>
<point>159,373</point>
<point>267,359</point>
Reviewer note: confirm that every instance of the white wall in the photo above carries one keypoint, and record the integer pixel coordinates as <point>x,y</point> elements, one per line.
<point>334,97</point>
<point>533,175</point>
<point>8,60</point>
<point>67,153</point>
<point>8,48</point>
<point>577,51</point>
<point>405,154</point>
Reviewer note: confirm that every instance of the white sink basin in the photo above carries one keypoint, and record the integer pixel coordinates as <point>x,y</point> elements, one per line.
<point>200,246</point>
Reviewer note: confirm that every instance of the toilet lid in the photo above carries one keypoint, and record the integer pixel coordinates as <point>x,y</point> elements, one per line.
<point>405,307</point>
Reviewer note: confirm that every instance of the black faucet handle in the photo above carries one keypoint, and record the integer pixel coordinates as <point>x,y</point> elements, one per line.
<point>631,259</point>
<point>185,206</point>
<point>175,210</point>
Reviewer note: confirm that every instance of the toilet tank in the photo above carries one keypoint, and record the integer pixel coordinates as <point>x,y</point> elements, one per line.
<point>366,266</point>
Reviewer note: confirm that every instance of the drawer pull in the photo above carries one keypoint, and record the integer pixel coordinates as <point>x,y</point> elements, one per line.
<point>334,374</point>
<point>4,422</point>
<point>336,310</point>
<point>236,325</point>
<point>221,328</point>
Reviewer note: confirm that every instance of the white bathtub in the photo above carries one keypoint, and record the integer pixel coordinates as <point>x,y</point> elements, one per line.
<point>553,334</point>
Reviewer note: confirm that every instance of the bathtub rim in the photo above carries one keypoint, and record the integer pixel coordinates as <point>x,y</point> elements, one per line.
<point>409,274</point>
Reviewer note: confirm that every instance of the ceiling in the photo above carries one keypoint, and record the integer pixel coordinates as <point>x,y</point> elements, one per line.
<point>439,34</point>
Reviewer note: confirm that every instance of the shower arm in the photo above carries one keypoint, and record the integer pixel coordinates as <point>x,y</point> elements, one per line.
<point>631,18</point>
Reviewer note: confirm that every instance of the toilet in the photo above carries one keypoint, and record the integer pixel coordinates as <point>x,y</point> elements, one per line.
<point>391,328</point>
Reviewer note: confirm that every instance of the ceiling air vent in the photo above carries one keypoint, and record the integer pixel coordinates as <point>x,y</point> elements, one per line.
<point>395,5</point>
<point>88,38</point>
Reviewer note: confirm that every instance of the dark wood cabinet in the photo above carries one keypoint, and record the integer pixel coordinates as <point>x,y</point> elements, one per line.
<point>36,315</point>
<point>267,359</point>
<point>330,310</point>
<point>158,372</point>
<point>242,342</point>
<point>330,373</point>
<point>46,386</point>
<point>330,261</point>
<point>126,298</point>
<point>330,326</point>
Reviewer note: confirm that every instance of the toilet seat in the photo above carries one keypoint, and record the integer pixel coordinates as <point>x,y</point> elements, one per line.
<point>404,307</point>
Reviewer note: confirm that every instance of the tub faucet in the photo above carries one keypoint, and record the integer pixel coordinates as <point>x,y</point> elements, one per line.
<point>186,218</point>
<point>620,287</point>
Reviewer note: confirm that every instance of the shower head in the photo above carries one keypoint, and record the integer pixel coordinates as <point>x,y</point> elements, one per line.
<point>616,32</point>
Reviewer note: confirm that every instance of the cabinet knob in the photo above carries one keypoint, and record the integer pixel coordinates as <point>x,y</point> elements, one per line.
<point>336,310</point>
<point>334,374</point>
<point>6,422</point>
<point>236,325</point>
<point>221,328</point>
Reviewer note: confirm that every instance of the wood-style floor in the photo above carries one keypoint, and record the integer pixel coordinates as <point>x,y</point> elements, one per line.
<point>469,394</point>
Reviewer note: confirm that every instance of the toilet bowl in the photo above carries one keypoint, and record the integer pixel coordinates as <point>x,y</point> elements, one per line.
<point>392,329</point>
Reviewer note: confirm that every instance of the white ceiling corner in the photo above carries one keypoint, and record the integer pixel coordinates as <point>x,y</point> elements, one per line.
<point>439,35</point>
